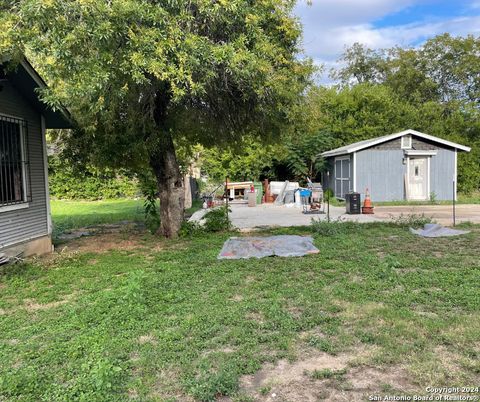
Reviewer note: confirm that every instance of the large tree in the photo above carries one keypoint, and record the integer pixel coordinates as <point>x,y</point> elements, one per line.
<point>143,77</point>
<point>443,69</point>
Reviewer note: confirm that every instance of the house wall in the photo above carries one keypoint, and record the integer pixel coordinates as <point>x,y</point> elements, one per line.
<point>381,170</point>
<point>23,225</point>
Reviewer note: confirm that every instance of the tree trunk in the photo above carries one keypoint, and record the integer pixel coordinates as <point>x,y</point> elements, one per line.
<point>163,162</point>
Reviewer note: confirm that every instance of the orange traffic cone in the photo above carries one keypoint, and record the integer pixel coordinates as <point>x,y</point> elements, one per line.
<point>367,204</point>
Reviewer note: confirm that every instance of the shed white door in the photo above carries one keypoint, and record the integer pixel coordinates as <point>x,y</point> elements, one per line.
<point>418,176</point>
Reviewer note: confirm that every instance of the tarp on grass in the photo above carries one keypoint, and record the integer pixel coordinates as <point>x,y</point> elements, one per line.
<point>435,230</point>
<point>258,247</point>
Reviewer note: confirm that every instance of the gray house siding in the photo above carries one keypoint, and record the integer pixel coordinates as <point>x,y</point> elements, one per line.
<point>23,224</point>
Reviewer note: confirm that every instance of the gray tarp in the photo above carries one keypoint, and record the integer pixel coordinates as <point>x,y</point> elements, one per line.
<point>259,247</point>
<point>435,230</point>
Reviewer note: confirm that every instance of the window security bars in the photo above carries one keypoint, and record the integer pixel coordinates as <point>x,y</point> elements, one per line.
<point>14,165</point>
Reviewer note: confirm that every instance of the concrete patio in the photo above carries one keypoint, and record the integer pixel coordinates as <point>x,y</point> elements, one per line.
<point>268,215</point>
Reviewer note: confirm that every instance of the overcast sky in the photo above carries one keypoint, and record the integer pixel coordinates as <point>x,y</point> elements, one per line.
<point>330,25</point>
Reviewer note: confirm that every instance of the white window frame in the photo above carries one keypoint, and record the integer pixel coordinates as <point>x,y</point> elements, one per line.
<point>404,144</point>
<point>24,204</point>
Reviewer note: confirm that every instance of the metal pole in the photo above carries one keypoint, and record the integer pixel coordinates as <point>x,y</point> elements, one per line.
<point>328,198</point>
<point>226,196</point>
<point>453,203</point>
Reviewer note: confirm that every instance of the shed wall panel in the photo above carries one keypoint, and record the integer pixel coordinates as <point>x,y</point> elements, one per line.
<point>20,225</point>
<point>442,168</point>
<point>382,172</point>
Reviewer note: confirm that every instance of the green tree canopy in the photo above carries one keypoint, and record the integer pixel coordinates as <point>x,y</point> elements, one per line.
<point>144,77</point>
<point>444,69</point>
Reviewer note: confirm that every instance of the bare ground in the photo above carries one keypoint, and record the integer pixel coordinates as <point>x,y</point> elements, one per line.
<point>355,381</point>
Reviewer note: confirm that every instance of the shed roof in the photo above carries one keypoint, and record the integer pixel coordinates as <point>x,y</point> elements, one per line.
<point>357,146</point>
<point>27,80</point>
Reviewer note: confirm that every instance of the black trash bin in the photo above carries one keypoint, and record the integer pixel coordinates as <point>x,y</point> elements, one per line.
<point>353,202</point>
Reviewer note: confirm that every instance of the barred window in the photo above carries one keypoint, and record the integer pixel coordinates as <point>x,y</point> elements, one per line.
<point>14,188</point>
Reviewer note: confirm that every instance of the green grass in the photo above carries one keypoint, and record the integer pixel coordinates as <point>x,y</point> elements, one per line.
<point>473,198</point>
<point>164,320</point>
<point>68,215</point>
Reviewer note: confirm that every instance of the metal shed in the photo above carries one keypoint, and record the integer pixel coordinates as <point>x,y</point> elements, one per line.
<point>408,165</point>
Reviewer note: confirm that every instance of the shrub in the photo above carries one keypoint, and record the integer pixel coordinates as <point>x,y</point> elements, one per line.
<point>88,183</point>
<point>151,210</point>
<point>333,227</point>
<point>190,229</point>
<point>411,220</point>
<point>217,220</point>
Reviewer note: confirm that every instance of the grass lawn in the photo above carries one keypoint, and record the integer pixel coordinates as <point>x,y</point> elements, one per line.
<point>68,215</point>
<point>128,316</point>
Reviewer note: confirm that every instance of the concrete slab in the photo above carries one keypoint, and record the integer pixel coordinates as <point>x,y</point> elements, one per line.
<point>269,215</point>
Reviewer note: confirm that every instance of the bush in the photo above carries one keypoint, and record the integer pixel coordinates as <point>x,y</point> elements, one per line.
<point>88,183</point>
<point>215,220</point>
<point>190,229</point>
<point>333,227</point>
<point>411,220</point>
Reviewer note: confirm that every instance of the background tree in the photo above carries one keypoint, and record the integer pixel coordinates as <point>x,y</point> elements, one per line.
<point>244,162</point>
<point>143,77</point>
<point>434,88</point>
<point>443,69</point>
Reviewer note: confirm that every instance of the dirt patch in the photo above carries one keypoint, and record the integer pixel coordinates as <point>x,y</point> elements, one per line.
<point>320,376</point>
<point>142,340</point>
<point>31,305</point>
<point>167,387</point>
<point>255,316</point>
<point>132,393</point>
<point>295,312</point>
<point>353,312</point>
<point>103,243</point>
<point>134,357</point>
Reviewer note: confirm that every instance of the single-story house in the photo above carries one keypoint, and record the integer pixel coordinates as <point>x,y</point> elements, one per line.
<point>408,165</point>
<point>25,221</point>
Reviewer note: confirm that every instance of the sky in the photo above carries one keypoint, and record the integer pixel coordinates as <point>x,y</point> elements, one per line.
<point>330,25</point>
